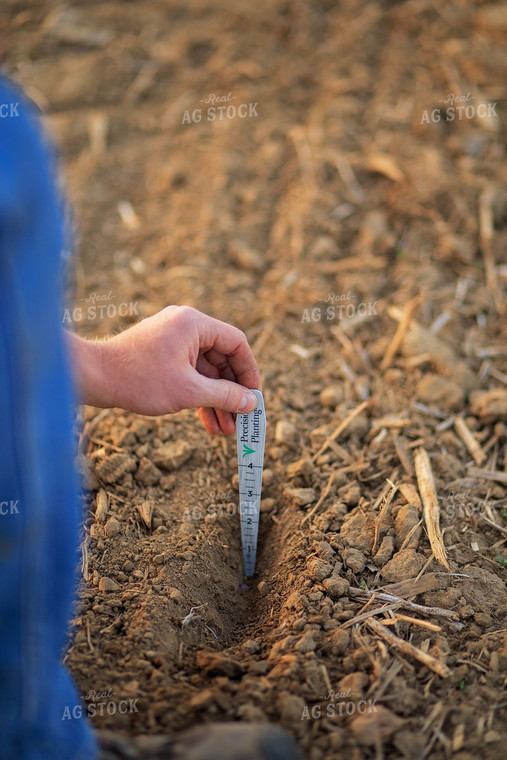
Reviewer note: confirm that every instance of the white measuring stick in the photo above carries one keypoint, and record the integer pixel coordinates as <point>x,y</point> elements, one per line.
<point>251,436</point>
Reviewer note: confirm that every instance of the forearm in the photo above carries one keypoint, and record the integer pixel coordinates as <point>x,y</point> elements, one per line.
<point>88,360</point>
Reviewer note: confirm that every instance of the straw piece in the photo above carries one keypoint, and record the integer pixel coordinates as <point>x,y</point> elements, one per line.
<point>431,511</point>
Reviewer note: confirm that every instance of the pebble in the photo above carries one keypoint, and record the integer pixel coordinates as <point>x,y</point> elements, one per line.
<point>263,588</point>
<point>303,467</point>
<point>354,559</point>
<point>172,455</point>
<point>339,641</point>
<point>406,519</point>
<point>350,494</point>
<point>267,504</point>
<point>285,432</point>
<point>107,584</point>
<point>290,707</point>
<point>336,587</point>
<point>306,643</point>
<point>374,727</point>
<point>405,564</point>
<point>324,550</point>
<point>358,531</point>
<point>385,551</point>
<point>216,664</point>
<point>331,396</point>
<point>267,477</point>
<point>112,526</point>
<point>147,474</point>
<point>318,569</point>
<point>440,391</point>
<point>252,646</point>
<point>300,496</point>
<point>159,559</point>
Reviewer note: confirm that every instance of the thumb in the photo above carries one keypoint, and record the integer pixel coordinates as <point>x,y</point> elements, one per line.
<point>224,395</point>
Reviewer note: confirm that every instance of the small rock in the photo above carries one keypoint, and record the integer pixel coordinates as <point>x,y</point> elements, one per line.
<point>300,496</point>
<point>107,584</point>
<point>358,530</point>
<point>267,477</point>
<point>175,594</point>
<point>339,641</point>
<point>138,574</point>
<point>128,566</point>
<point>336,587</point>
<point>267,505</point>
<point>216,664</point>
<point>318,569</point>
<point>331,396</point>
<point>285,432</point>
<point>147,474</point>
<point>353,684</point>
<point>406,519</point>
<point>306,643</point>
<point>375,726</point>
<point>385,551</point>
<point>251,713</point>
<point>303,467</point>
<point>350,494</point>
<point>96,530</point>
<point>290,707</point>
<point>280,647</point>
<point>112,526</point>
<point>172,455</point>
<point>324,550</point>
<point>252,646</point>
<point>263,588</point>
<point>159,559</point>
<point>492,736</point>
<point>354,559</point>
<point>440,391</point>
<point>113,468</point>
<point>405,564</point>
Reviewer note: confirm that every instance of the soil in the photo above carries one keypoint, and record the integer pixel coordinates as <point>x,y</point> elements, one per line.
<point>346,183</point>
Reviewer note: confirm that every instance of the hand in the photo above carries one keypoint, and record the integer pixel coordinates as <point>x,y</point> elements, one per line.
<point>177,359</point>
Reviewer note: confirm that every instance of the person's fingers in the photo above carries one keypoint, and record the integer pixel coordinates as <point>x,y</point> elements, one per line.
<point>221,363</point>
<point>232,343</point>
<point>226,421</point>
<point>222,395</point>
<point>209,420</point>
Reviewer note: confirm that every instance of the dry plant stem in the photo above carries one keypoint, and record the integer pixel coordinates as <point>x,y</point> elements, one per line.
<point>431,512</point>
<point>342,426</point>
<point>478,472</point>
<point>486,235</point>
<point>391,598</point>
<point>397,340</point>
<point>469,440</point>
<point>403,646</point>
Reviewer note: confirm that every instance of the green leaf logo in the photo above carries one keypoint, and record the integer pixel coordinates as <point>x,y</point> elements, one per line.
<point>247,451</point>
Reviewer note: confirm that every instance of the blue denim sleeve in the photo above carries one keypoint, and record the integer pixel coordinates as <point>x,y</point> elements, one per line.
<point>39,516</point>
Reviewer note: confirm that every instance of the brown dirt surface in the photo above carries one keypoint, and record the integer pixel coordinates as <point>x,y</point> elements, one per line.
<point>347,183</point>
